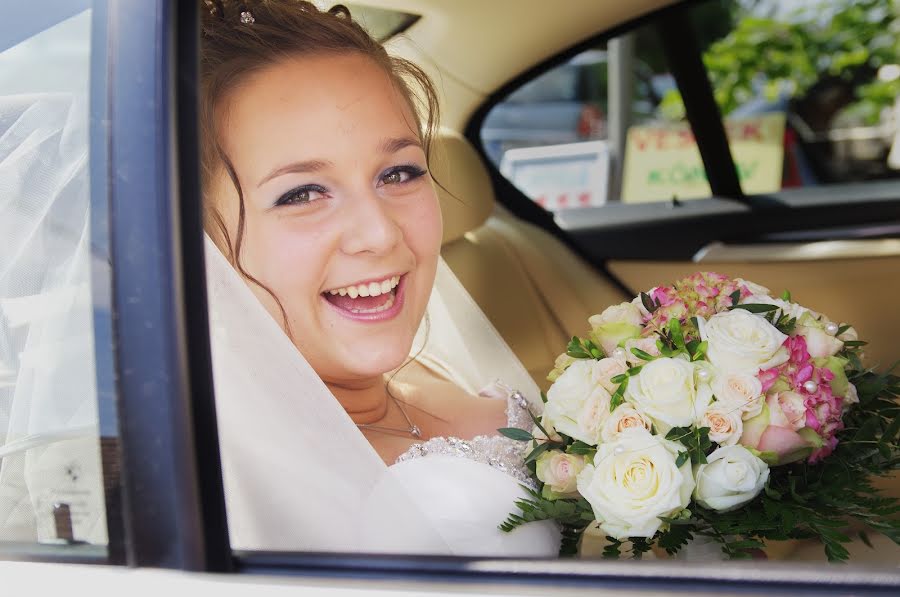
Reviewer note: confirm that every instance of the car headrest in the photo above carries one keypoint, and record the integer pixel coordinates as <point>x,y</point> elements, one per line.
<point>467,196</point>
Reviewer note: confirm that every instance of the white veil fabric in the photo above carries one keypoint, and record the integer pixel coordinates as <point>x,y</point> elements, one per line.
<point>49,430</point>
<point>298,474</point>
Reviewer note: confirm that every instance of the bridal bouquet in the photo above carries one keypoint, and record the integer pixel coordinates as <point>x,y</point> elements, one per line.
<point>710,408</point>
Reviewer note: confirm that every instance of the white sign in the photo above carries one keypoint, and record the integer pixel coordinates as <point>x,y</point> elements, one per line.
<point>560,176</point>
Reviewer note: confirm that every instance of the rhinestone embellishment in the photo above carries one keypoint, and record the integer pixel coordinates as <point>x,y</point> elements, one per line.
<point>501,453</point>
<point>247,17</point>
<point>415,431</point>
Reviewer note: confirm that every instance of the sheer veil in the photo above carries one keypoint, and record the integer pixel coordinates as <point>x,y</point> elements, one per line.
<point>298,473</point>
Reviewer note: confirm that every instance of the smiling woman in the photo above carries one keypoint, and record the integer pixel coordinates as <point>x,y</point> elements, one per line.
<point>318,194</point>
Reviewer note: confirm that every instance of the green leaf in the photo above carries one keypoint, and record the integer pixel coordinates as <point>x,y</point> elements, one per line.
<point>864,537</point>
<point>854,343</point>
<point>786,296</point>
<point>701,351</point>
<point>890,432</point>
<point>634,371</point>
<point>543,397</point>
<point>677,334</point>
<point>612,550</point>
<point>618,378</point>
<point>735,298</point>
<point>533,455</point>
<point>576,350</point>
<point>579,447</point>
<point>843,329</point>
<point>682,458</point>
<point>537,423</point>
<point>644,356</point>
<point>520,435</point>
<point>648,302</point>
<point>756,307</point>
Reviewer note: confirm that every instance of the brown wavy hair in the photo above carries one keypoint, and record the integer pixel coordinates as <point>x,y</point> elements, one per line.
<point>232,49</point>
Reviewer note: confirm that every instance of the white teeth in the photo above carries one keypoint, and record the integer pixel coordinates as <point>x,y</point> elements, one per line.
<point>387,305</point>
<point>370,289</point>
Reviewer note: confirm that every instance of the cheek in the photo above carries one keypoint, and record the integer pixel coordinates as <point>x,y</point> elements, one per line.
<point>422,227</point>
<point>289,260</point>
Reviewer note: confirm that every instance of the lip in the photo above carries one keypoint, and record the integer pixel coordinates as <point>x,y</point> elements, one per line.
<point>381,316</point>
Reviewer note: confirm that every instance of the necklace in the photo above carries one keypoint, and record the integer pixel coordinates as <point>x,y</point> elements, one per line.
<point>411,428</point>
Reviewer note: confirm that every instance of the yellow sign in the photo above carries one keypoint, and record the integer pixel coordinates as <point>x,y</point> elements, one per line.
<point>662,162</point>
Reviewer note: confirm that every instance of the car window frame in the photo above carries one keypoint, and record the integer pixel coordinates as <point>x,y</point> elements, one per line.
<point>872,200</point>
<point>173,513</point>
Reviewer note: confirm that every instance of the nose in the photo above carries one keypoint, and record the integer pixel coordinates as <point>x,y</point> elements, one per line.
<point>371,227</point>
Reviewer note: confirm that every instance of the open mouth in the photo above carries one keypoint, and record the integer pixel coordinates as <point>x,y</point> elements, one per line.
<point>378,299</point>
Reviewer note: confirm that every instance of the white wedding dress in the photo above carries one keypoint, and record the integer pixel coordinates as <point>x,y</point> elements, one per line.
<point>300,476</point>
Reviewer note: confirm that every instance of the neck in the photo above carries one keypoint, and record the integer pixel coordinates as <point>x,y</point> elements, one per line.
<point>366,402</point>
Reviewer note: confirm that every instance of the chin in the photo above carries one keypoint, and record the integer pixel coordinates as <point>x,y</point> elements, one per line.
<point>365,363</point>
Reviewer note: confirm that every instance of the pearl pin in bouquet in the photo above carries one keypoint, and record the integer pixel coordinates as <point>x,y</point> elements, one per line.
<point>710,408</point>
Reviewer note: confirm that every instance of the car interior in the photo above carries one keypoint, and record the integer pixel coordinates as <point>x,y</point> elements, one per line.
<point>832,240</point>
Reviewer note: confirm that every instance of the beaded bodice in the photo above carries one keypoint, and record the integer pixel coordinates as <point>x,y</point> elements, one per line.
<point>497,451</point>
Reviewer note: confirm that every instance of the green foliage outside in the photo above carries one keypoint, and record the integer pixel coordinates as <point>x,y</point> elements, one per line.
<point>772,51</point>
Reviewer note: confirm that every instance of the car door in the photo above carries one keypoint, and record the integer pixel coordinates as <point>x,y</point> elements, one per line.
<point>695,192</point>
<point>793,189</point>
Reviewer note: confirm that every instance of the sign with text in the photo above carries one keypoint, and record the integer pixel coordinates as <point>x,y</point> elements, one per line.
<point>560,176</point>
<point>662,161</point>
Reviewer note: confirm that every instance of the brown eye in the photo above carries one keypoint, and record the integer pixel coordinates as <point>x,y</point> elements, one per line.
<point>302,196</point>
<point>392,177</point>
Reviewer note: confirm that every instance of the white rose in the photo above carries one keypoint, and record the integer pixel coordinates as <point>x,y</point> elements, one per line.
<point>819,343</point>
<point>608,368</point>
<point>621,313</point>
<point>724,422</point>
<point>577,404</point>
<point>615,325</point>
<point>732,477</point>
<point>624,417</point>
<point>633,481</point>
<point>559,366</point>
<point>741,341</point>
<point>666,390</point>
<point>648,345</point>
<point>740,390</point>
<point>559,470</point>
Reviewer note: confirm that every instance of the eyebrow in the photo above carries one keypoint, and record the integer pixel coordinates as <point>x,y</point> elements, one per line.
<point>295,168</point>
<point>395,144</point>
<point>390,145</point>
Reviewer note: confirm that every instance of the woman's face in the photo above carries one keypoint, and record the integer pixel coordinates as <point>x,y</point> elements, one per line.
<point>342,222</point>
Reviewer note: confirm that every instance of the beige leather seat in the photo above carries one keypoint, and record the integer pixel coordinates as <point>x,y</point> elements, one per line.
<point>535,291</point>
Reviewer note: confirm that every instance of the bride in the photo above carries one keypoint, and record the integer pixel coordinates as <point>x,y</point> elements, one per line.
<point>352,370</point>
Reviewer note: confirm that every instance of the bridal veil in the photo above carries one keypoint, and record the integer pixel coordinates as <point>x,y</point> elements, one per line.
<point>298,473</point>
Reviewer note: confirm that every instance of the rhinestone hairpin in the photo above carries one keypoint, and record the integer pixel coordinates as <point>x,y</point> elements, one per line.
<point>247,17</point>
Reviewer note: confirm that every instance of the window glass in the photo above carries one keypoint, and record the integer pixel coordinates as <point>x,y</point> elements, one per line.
<point>818,81</point>
<point>54,288</point>
<point>808,91</point>
<point>380,22</point>
<point>564,136</point>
